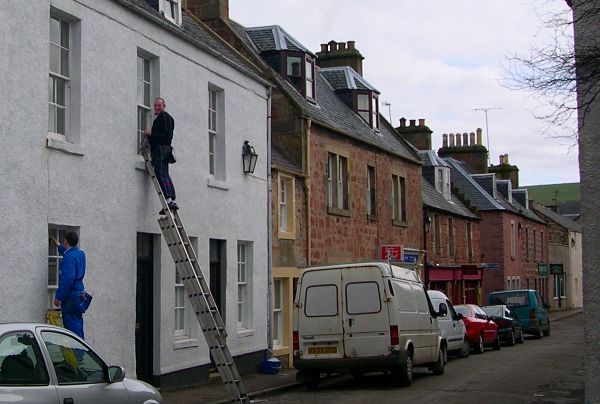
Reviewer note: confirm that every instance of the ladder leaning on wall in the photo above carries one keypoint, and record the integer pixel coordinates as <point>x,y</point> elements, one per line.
<point>201,299</point>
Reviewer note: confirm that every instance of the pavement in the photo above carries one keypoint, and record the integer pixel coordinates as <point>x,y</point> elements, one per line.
<point>260,385</point>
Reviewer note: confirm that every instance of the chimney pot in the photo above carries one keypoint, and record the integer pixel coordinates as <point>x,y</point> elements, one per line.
<point>421,122</point>
<point>402,122</point>
<point>323,47</point>
<point>413,122</point>
<point>445,140</point>
<point>472,138</point>
<point>458,137</point>
<point>451,137</point>
<point>465,139</point>
<point>341,45</point>
<point>351,44</point>
<point>332,46</point>
<point>479,140</point>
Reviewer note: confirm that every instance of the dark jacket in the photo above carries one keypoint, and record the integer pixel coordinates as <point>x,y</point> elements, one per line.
<point>161,135</point>
<point>72,271</point>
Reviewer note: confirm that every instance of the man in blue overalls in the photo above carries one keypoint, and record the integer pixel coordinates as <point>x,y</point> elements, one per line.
<point>70,283</point>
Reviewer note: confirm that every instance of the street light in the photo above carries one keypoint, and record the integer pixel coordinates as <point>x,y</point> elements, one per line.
<point>249,158</point>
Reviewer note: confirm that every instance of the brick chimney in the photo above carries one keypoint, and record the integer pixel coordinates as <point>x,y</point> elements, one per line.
<point>417,135</point>
<point>208,9</point>
<point>506,171</point>
<point>334,54</point>
<point>466,147</point>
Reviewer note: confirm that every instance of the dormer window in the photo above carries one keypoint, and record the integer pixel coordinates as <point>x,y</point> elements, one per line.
<point>442,182</point>
<point>367,106</point>
<point>300,71</point>
<point>171,9</point>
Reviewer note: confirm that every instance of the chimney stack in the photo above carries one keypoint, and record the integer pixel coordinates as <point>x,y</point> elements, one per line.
<point>402,122</point>
<point>421,122</point>
<point>417,135</point>
<point>413,122</point>
<point>334,54</point>
<point>506,171</point>
<point>466,147</point>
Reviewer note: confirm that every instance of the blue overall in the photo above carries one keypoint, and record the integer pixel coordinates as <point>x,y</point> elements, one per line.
<point>70,288</point>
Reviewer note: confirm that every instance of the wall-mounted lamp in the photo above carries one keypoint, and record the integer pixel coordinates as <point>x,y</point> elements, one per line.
<point>249,158</point>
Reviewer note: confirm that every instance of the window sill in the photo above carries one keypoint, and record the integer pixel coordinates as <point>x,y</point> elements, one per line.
<point>185,342</point>
<point>338,212</point>
<point>244,332</point>
<point>58,142</point>
<point>218,184</point>
<point>372,217</point>
<point>139,163</point>
<point>284,235</point>
<point>400,223</point>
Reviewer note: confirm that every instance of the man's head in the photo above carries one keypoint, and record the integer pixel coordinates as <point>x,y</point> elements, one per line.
<point>159,105</point>
<point>71,239</point>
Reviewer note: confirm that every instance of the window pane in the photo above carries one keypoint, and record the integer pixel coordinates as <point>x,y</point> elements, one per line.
<point>293,66</point>
<point>363,103</point>
<point>309,71</point>
<point>60,121</point>
<point>362,298</point>
<point>64,63</point>
<point>146,70</point>
<point>55,59</point>
<point>54,31</point>
<point>60,92</point>
<point>147,94</point>
<point>180,320</point>
<point>309,89</point>
<point>321,301</point>
<point>51,118</point>
<point>364,115</point>
<point>21,361</point>
<point>53,271</point>
<point>276,326</point>
<point>140,68</point>
<point>277,286</point>
<point>64,34</point>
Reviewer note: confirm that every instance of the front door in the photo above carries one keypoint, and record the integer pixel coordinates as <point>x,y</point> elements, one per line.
<point>143,312</point>
<point>218,271</point>
<point>365,313</point>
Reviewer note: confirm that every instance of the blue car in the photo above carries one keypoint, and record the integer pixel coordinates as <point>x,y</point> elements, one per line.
<point>528,307</point>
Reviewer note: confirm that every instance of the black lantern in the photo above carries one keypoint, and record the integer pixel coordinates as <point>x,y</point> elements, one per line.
<point>249,158</point>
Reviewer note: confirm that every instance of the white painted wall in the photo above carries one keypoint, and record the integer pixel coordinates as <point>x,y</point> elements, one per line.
<point>103,191</point>
<point>575,271</point>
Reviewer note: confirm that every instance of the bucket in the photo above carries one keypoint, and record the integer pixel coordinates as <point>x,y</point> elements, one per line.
<point>271,366</point>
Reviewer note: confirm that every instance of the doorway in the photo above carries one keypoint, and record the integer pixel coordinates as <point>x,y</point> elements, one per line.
<point>143,307</point>
<point>218,273</point>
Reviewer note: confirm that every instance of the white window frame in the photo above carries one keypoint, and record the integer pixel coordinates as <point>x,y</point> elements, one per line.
<point>309,84</point>
<point>144,112</point>
<point>287,206</point>
<point>398,199</point>
<point>244,285</point>
<point>216,132</point>
<point>58,233</point>
<point>278,329</point>
<point>171,9</point>
<point>62,79</point>
<point>181,330</point>
<point>513,248</point>
<point>337,181</point>
<point>371,191</point>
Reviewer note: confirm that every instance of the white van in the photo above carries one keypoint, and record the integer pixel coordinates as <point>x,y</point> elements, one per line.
<point>452,327</point>
<point>358,318</point>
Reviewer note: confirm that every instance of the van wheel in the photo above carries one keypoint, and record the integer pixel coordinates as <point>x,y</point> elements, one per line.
<point>312,380</point>
<point>496,345</point>
<point>547,332</point>
<point>404,373</point>
<point>438,368</point>
<point>479,345</point>
<point>466,348</point>
<point>512,339</point>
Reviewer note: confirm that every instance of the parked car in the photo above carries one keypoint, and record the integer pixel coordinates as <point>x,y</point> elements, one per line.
<point>452,327</point>
<point>481,330</point>
<point>529,308</point>
<point>508,327</point>
<point>364,317</point>
<point>40,363</point>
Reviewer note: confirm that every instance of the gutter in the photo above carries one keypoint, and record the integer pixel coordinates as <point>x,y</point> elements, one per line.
<point>269,228</point>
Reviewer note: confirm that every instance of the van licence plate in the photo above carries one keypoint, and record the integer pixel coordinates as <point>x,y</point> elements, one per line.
<point>317,350</point>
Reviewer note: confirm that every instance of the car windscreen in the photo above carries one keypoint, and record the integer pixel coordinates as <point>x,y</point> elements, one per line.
<point>494,311</point>
<point>511,299</point>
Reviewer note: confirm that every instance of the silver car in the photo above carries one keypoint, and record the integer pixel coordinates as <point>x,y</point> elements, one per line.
<point>41,363</point>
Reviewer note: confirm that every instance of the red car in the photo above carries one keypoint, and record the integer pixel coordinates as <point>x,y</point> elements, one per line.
<point>481,330</point>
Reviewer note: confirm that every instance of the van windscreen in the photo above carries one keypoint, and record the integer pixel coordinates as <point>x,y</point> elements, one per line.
<point>511,298</point>
<point>321,301</point>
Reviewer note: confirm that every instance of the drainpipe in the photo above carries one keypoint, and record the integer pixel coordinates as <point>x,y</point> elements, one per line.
<point>269,229</point>
<point>308,194</point>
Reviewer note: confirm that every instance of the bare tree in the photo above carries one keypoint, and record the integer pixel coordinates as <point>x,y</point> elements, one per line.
<point>553,72</point>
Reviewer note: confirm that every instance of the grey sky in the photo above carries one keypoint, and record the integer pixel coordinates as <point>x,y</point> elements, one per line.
<point>438,60</point>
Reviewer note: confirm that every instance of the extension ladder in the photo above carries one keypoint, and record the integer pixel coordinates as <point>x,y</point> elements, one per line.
<point>198,291</point>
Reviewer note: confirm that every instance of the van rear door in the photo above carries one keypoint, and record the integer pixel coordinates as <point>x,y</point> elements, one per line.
<point>365,312</point>
<point>320,333</point>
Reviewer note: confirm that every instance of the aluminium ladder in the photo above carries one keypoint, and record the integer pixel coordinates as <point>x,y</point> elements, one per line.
<point>201,299</point>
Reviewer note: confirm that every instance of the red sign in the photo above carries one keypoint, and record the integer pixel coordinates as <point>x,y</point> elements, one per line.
<point>391,253</point>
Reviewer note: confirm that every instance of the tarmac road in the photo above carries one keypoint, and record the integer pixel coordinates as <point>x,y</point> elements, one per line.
<point>539,371</point>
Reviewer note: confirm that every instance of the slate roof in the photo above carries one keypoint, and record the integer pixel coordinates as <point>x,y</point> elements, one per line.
<point>279,160</point>
<point>462,180</point>
<point>430,158</point>
<point>274,38</point>
<point>196,33</point>
<point>433,199</point>
<point>346,78</point>
<point>558,218</point>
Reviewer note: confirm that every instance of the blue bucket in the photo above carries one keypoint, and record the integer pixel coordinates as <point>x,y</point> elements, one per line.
<point>271,366</point>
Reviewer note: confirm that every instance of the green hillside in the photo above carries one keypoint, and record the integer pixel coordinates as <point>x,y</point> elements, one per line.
<point>568,196</point>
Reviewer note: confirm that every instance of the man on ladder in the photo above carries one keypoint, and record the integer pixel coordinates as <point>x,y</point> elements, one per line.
<point>161,151</point>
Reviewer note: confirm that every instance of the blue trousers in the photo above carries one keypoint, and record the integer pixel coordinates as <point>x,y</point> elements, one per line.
<point>161,170</point>
<point>73,322</point>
